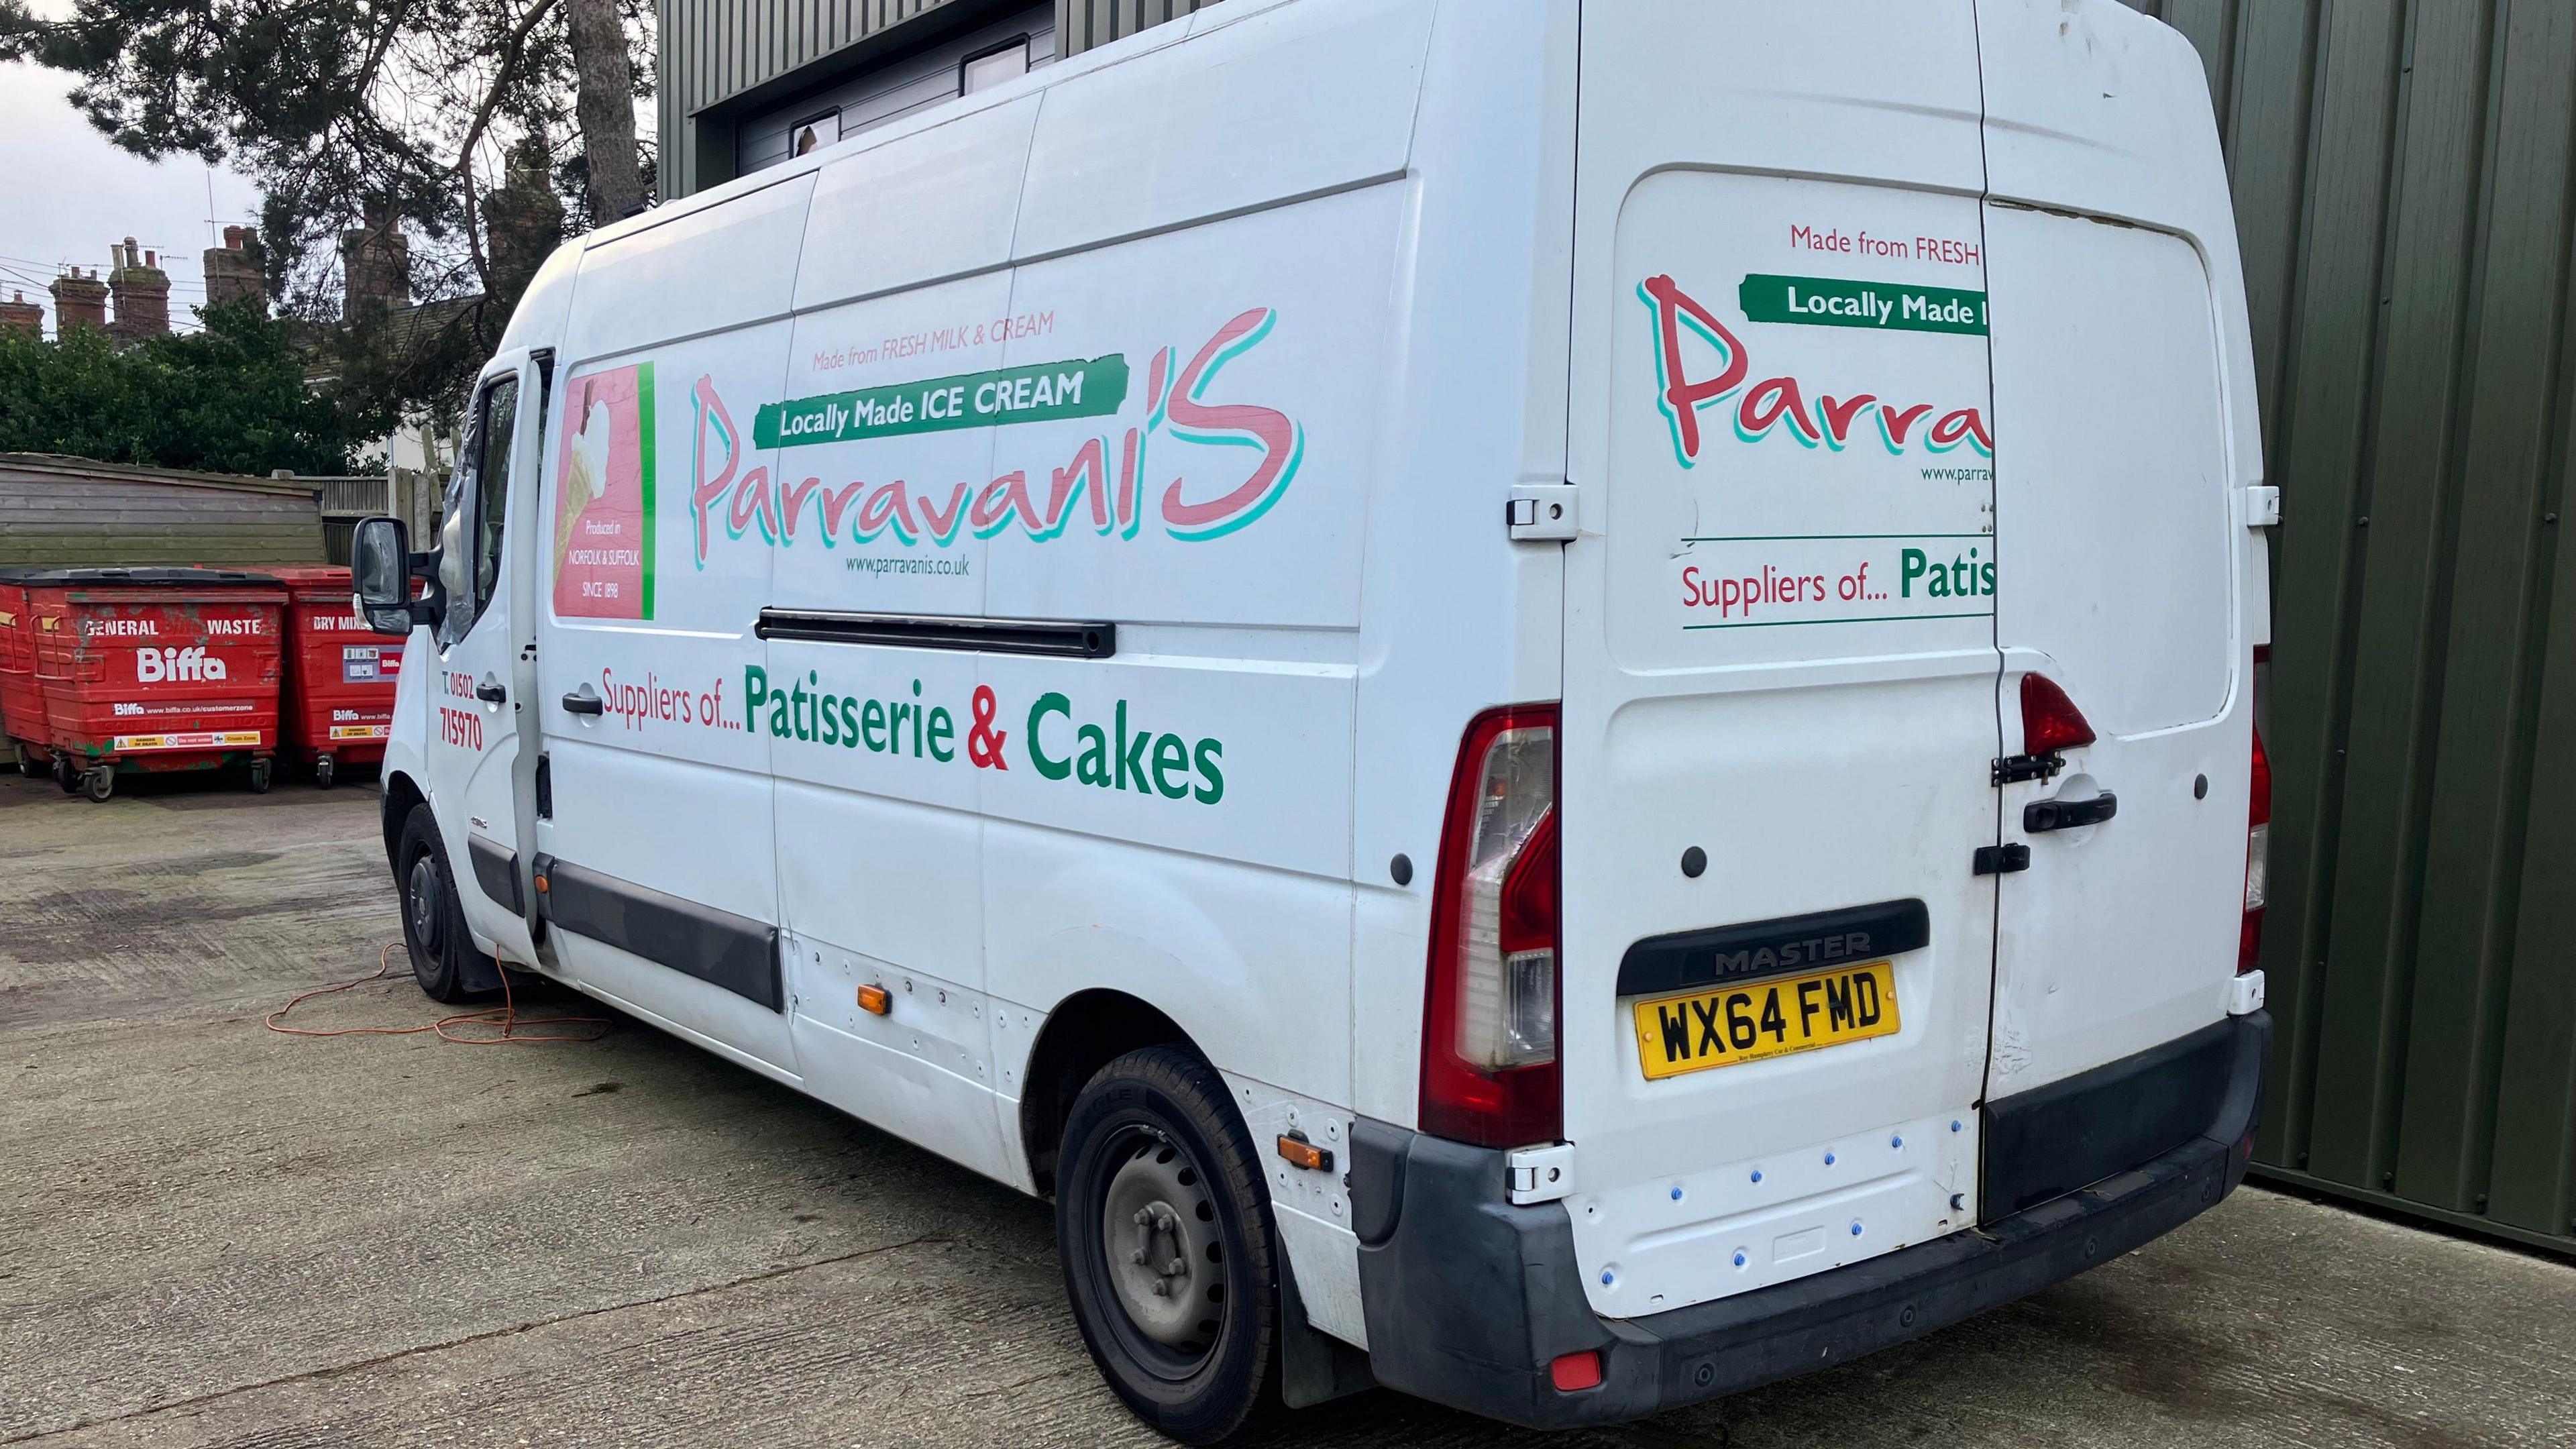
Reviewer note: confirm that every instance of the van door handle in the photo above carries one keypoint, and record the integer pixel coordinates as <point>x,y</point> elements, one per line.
<point>490,691</point>
<point>2043,815</point>
<point>582,701</point>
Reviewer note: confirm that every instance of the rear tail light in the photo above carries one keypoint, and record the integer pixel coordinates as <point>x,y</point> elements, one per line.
<point>1489,1070</point>
<point>2258,850</point>
<point>2050,722</point>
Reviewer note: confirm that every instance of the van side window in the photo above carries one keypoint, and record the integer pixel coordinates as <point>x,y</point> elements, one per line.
<point>492,485</point>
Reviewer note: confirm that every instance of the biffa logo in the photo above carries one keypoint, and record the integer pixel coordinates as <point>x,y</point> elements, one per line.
<point>152,666</point>
<point>1779,404</point>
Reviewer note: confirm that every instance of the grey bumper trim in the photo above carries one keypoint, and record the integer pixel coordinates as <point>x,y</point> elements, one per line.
<point>1468,1298</point>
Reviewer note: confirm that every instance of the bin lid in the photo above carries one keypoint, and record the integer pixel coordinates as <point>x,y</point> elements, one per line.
<point>51,578</point>
<point>311,581</point>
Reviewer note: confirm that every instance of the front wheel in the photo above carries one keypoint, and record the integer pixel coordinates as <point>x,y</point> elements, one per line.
<point>99,783</point>
<point>434,929</point>
<point>1170,1254</point>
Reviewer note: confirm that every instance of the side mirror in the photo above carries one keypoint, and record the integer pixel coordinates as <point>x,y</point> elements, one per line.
<point>381,568</point>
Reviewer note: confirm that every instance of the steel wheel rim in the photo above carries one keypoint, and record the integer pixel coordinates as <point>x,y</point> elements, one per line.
<point>1155,1202</point>
<point>423,897</point>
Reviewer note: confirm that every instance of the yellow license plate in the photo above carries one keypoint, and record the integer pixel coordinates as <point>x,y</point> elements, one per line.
<point>1701,1029</point>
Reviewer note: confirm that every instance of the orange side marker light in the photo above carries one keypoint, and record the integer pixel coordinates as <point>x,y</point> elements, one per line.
<point>1298,1152</point>
<point>875,1000</point>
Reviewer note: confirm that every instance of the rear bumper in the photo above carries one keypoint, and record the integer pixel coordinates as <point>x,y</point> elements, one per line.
<point>1468,1298</point>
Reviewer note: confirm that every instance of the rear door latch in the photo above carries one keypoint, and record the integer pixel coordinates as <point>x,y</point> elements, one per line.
<point>2002,859</point>
<point>2014,769</point>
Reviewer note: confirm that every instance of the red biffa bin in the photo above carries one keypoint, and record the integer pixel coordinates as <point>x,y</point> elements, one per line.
<point>338,708</point>
<point>156,669</point>
<point>22,704</point>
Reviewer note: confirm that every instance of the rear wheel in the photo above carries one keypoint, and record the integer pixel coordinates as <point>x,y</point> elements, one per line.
<point>433,923</point>
<point>1169,1250</point>
<point>99,783</point>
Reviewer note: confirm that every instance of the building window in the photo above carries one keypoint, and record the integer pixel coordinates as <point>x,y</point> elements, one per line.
<point>814,134</point>
<point>1007,61</point>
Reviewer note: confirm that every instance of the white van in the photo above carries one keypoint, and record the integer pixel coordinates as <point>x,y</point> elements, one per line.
<point>1549,703</point>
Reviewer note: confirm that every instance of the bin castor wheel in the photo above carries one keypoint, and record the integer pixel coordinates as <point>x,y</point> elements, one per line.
<point>322,772</point>
<point>30,766</point>
<point>66,775</point>
<point>259,776</point>
<point>99,783</point>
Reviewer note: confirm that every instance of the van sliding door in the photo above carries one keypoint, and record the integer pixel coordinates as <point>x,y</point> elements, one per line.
<point>656,564</point>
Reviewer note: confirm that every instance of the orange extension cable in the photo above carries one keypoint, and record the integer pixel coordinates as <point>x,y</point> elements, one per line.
<point>505,1016</point>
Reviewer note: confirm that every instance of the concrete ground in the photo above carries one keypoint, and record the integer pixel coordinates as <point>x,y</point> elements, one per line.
<point>213,1235</point>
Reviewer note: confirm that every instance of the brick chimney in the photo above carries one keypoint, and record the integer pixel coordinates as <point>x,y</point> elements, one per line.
<point>525,218</point>
<point>142,293</point>
<point>375,266</point>
<point>79,301</point>
<point>20,315</point>
<point>232,270</point>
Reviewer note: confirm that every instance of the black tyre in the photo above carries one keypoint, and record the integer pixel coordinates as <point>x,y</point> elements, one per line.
<point>1170,1254</point>
<point>67,775</point>
<point>433,923</point>
<point>324,772</point>
<point>99,783</point>
<point>30,766</point>
<point>261,773</point>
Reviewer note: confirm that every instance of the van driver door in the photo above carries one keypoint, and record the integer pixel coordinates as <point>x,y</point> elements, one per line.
<point>475,756</point>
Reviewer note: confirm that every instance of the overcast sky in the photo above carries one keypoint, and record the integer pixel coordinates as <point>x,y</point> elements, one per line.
<point>72,196</point>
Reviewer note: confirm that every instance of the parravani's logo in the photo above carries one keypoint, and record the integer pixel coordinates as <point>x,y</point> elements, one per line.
<point>154,666</point>
<point>1110,499</point>
<point>1780,404</point>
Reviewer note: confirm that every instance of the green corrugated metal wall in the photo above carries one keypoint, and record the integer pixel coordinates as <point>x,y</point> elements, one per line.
<point>712,51</point>
<point>715,52</point>
<point>1086,23</point>
<point>2403,190</point>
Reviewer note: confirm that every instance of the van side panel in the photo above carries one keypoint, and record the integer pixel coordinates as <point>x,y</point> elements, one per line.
<point>1456,618</point>
<point>1285,103</point>
<point>1193,779</point>
<point>880,845</point>
<point>915,208</point>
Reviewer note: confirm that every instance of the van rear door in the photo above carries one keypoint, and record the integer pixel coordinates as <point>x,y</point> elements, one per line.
<point>2121,459</point>
<point>1778,715</point>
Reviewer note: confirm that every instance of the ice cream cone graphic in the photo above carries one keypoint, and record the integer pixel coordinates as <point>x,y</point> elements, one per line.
<point>585,478</point>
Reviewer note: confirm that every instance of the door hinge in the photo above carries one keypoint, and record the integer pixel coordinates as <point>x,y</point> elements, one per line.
<point>2014,769</point>
<point>2002,859</point>
<point>1540,512</point>
<point>2262,505</point>
<point>1541,1174</point>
